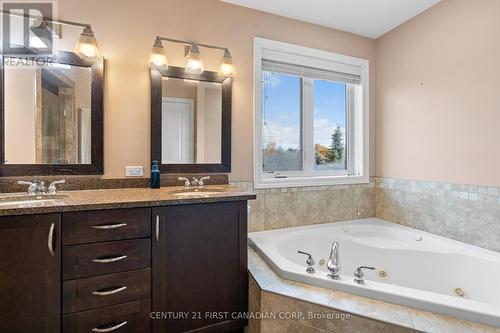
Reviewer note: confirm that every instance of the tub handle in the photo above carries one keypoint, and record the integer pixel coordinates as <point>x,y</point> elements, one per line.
<point>309,262</point>
<point>359,274</point>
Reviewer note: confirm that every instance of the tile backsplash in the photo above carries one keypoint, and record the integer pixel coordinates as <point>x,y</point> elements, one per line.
<point>297,206</point>
<point>467,213</point>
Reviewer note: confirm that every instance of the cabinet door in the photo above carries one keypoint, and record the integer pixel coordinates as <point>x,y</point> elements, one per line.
<point>30,275</point>
<point>199,267</point>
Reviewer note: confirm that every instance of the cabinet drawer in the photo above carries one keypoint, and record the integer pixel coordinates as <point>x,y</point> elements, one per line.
<point>105,225</point>
<point>103,258</point>
<point>104,290</point>
<point>126,318</point>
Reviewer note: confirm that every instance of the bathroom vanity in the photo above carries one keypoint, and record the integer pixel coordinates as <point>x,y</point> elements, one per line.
<point>119,260</point>
<point>128,260</point>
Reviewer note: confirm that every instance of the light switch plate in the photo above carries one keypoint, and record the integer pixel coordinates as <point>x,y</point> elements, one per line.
<point>134,171</point>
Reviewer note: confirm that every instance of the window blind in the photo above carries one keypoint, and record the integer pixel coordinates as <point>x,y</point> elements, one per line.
<point>309,72</point>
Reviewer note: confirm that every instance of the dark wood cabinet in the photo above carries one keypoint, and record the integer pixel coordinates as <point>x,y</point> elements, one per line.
<point>105,225</point>
<point>199,269</point>
<point>185,266</point>
<point>30,274</point>
<point>130,317</point>
<point>86,260</point>
<point>106,269</point>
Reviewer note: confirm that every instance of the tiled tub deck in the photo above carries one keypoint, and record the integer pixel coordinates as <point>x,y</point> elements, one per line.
<point>284,306</point>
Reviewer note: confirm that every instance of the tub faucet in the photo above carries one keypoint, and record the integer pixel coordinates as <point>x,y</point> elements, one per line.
<point>309,262</point>
<point>333,264</point>
<point>358,274</point>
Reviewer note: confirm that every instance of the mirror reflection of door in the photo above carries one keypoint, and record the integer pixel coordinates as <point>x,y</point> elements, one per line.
<point>177,130</point>
<point>191,122</point>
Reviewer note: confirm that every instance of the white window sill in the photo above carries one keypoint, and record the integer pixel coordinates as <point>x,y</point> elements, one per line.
<point>309,181</point>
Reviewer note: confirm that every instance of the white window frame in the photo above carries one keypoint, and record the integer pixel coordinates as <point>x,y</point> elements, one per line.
<point>357,129</point>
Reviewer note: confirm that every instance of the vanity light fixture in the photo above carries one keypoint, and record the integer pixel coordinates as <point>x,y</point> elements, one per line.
<point>194,63</point>
<point>157,56</point>
<point>86,45</point>
<point>226,67</point>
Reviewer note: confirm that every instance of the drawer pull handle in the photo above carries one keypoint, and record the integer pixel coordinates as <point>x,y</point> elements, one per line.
<point>108,292</point>
<point>108,260</point>
<point>50,239</point>
<point>109,329</point>
<point>157,228</point>
<point>109,226</point>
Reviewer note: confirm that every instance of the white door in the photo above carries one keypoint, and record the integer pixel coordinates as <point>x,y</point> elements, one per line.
<point>177,141</point>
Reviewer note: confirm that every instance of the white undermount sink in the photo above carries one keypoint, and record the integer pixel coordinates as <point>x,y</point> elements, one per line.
<point>199,192</point>
<point>25,199</point>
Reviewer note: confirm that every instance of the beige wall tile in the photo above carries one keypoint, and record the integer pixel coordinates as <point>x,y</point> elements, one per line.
<point>291,207</point>
<point>466,213</point>
<point>308,317</point>
<point>286,326</point>
<point>364,202</point>
<point>304,311</point>
<point>377,310</point>
<point>357,324</point>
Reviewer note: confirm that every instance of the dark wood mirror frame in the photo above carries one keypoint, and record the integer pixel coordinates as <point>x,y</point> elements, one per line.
<point>156,102</point>
<point>96,167</point>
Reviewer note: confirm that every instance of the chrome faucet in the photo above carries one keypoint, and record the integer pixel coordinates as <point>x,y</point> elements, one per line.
<point>37,187</point>
<point>333,264</point>
<point>52,189</point>
<point>309,262</point>
<point>195,182</point>
<point>187,184</point>
<point>358,274</point>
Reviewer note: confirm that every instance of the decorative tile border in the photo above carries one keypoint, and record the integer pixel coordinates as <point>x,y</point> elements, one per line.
<point>249,186</point>
<point>441,189</point>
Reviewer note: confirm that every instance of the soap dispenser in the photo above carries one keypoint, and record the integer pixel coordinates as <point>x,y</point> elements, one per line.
<point>155,175</point>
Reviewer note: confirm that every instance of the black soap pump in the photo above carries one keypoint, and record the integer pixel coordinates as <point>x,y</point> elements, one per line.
<point>155,175</point>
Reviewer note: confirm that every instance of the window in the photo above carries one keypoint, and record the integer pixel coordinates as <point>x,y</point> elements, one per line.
<point>311,116</point>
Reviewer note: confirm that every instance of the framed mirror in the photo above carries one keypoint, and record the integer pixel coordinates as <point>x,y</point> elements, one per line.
<point>51,115</point>
<point>190,121</point>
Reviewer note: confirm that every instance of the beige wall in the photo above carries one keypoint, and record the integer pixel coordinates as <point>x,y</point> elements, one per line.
<point>438,95</point>
<point>125,31</point>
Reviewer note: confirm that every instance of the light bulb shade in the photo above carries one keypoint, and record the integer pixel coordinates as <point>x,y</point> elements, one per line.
<point>226,67</point>
<point>157,57</point>
<point>194,64</point>
<point>86,45</point>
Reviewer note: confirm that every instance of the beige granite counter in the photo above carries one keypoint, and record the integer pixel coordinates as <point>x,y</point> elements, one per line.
<point>125,198</point>
<point>366,315</point>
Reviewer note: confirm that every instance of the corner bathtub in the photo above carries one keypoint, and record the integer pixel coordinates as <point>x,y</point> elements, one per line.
<point>422,270</point>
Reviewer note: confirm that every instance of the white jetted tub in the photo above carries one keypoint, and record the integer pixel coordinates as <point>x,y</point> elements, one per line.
<point>413,268</point>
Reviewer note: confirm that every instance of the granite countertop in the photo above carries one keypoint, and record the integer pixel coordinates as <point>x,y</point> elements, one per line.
<point>123,198</point>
